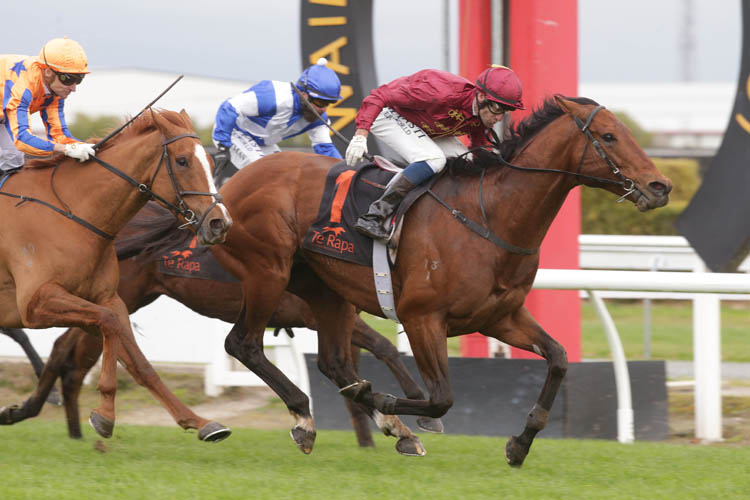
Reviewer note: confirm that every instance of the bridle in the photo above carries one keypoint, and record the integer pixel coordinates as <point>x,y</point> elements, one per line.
<point>484,231</point>
<point>627,184</point>
<point>181,208</point>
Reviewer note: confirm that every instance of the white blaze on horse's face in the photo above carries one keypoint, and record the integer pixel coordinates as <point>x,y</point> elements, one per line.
<point>200,153</point>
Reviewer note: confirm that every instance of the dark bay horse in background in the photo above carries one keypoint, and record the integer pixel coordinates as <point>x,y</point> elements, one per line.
<point>20,337</point>
<point>61,271</point>
<point>448,279</point>
<point>140,246</point>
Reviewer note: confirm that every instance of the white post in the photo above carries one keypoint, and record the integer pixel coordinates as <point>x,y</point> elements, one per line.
<point>625,433</point>
<point>707,363</point>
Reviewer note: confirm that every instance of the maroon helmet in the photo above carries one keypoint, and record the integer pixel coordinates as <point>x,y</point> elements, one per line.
<point>501,84</point>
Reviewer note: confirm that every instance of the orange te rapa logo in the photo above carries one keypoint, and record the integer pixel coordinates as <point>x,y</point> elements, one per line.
<point>179,260</point>
<point>330,238</point>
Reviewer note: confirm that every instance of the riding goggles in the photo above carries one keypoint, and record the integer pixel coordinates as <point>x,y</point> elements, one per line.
<point>497,108</point>
<point>69,79</point>
<point>321,103</point>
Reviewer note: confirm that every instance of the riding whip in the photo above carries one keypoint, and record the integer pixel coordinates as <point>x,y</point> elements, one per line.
<point>117,130</point>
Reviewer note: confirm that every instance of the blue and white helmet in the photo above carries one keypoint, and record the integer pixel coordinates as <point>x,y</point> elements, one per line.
<point>320,82</point>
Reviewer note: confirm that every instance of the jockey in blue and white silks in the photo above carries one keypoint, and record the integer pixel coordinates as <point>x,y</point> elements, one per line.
<point>249,125</point>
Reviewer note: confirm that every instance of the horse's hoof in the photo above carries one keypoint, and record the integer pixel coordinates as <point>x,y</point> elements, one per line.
<point>213,432</point>
<point>5,414</point>
<point>54,397</point>
<point>429,424</point>
<point>515,452</point>
<point>411,447</point>
<point>103,426</point>
<point>304,439</point>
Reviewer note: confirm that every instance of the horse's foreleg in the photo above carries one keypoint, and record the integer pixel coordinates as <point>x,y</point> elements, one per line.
<point>80,352</point>
<point>522,331</point>
<point>144,374</point>
<point>367,338</point>
<point>52,305</point>
<point>335,319</point>
<point>247,347</point>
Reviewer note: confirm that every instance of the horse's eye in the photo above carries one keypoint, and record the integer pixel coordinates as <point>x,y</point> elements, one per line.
<point>609,137</point>
<point>181,161</point>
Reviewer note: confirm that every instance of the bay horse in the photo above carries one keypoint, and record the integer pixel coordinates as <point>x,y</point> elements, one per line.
<point>20,337</point>
<point>61,271</point>
<point>448,279</point>
<point>140,246</point>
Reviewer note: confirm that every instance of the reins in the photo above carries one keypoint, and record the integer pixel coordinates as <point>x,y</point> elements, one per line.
<point>484,232</point>
<point>180,208</point>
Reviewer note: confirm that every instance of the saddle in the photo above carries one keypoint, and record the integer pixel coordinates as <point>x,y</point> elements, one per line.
<point>347,195</point>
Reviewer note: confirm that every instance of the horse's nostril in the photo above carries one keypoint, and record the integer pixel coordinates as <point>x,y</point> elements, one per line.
<point>217,225</point>
<point>658,188</point>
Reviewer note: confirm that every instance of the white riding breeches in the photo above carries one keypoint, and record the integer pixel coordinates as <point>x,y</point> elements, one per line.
<point>10,157</point>
<point>245,150</point>
<point>412,144</point>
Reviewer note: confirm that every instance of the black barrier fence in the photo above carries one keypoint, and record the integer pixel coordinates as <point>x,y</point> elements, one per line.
<point>492,397</point>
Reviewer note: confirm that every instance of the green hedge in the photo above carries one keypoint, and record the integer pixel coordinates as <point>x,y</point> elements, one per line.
<point>601,215</point>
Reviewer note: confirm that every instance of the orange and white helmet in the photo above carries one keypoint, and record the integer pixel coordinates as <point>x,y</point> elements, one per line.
<point>64,56</point>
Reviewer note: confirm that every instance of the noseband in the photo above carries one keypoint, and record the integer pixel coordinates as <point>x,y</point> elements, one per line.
<point>627,184</point>
<point>181,208</point>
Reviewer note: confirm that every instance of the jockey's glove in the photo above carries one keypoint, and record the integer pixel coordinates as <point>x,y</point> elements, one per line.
<point>79,150</point>
<point>356,150</point>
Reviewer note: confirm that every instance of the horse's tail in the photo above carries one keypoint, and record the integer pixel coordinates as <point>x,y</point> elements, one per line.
<point>153,231</point>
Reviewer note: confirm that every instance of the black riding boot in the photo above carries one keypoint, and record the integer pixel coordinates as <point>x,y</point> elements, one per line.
<point>372,224</point>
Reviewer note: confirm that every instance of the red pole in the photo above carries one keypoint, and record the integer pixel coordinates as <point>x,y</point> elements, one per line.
<point>544,53</point>
<point>475,54</point>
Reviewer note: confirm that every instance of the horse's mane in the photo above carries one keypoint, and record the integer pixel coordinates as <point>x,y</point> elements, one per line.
<point>143,124</point>
<point>516,135</point>
<point>152,232</point>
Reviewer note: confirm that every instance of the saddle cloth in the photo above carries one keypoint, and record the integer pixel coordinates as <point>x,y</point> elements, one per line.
<point>347,195</point>
<point>194,261</point>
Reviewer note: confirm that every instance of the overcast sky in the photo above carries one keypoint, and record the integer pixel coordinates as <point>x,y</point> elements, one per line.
<point>619,40</point>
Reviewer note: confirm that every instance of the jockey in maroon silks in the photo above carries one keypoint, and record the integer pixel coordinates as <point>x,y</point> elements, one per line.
<point>419,117</point>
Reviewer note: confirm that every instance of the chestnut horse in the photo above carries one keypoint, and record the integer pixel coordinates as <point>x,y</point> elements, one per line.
<point>453,275</point>
<point>61,271</point>
<point>140,246</point>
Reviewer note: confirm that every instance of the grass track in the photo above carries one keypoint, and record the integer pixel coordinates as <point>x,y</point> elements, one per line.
<point>40,462</point>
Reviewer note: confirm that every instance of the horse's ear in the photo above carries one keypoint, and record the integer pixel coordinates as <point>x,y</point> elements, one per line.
<point>185,115</point>
<point>566,105</point>
<point>159,122</point>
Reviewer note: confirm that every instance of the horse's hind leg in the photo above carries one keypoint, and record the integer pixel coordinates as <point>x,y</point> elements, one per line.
<point>367,338</point>
<point>522,331</point>
<point>335,318</point>
<point>360,418</point>
<point>22,339</point>
<point>33,404</point>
